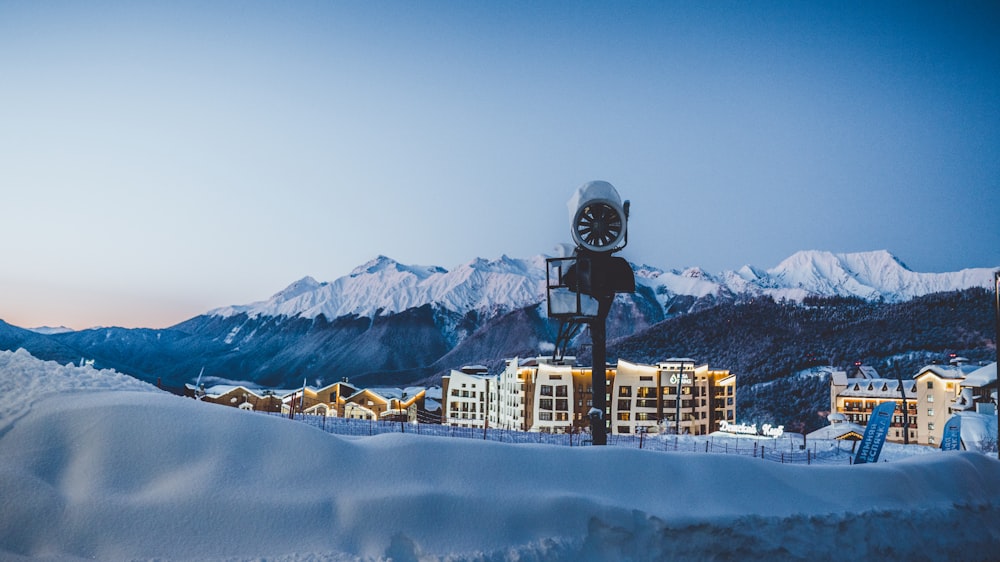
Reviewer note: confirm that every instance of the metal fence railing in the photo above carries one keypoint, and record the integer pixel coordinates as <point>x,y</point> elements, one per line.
<point>791,451</point>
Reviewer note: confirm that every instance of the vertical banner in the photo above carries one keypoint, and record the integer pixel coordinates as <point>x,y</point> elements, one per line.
<point>875,433</point>
<point>951,440</point>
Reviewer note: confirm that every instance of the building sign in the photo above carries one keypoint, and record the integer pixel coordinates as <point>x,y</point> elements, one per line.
<point>875,433</point>
<point>740,428</point>
<point>685,378</point>
<point>951,440</point>
<point>772,431</point>
<point>766,430</point>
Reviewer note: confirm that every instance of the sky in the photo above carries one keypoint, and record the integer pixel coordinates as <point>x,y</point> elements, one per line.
<point>160,159</point>
<point>98,465</point>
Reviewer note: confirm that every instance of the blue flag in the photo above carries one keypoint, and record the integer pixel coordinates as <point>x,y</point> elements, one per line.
<point>875,433</point>
<point>951,440</point>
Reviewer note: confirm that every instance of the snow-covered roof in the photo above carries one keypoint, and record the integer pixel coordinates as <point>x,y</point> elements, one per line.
<point>867,372</point>
<point>412,391</point>
<point>977,429</point>
<point>838,430</point>
<point>947,371</point>
<point>219,389</point>
<point>982,376</point>
<point>878,388</point>
<point>839,378</point>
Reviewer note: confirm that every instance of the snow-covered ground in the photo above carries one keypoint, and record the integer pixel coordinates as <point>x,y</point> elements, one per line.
<point>97,465</point>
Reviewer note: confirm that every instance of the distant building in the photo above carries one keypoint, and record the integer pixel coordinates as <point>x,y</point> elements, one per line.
<point>856,397</point>
<point>465,397</point>
<point>543,394</point>
<point>931,396</point>
<point>236,396</point>
<point>978,391</point>
<point>840,428</point>
<point>645,397</point>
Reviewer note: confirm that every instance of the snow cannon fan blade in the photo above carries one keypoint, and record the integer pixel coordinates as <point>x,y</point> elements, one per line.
<point>598,219</point>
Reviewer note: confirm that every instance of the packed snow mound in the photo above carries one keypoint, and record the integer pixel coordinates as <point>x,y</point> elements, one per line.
<point>121,475</point>
<point>384,286</point>
<point>24,380</point>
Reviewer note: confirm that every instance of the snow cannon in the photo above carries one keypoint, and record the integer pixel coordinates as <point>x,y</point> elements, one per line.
<point>598,218</point>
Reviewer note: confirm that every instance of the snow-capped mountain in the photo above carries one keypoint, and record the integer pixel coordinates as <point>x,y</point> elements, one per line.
<point>389,323</point>
<point>384,286</point>
<point>871,276</point>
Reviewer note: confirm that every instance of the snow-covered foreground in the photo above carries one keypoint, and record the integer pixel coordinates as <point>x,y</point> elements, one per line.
<point>98,466</point>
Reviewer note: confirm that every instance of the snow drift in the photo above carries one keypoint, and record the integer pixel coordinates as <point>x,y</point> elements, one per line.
<point>99,467</point>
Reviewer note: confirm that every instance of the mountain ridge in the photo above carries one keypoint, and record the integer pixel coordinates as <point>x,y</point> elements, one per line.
<point>384,286</point>
<point>841,307</point>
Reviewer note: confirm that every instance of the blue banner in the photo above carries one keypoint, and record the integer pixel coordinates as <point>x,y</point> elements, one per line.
<point>875,433</point>
<point>951,440</point>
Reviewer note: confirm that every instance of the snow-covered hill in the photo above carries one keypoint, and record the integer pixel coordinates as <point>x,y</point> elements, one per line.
<point>384,286</point>
<point>95,470</point>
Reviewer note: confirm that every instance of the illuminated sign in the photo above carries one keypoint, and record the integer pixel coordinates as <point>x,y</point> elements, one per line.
<point>685,380</point>
<point>772,431</point>
<point>740,428</point>
<point>766,430</point>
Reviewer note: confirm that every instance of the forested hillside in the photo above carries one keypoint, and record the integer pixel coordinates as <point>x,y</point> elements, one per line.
<point>769,345</point>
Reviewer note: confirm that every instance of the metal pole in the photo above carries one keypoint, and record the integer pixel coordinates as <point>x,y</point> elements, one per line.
<point>598,378</point>
<point>677,419</point>
<point>906,418</point>
<point>996,346</point>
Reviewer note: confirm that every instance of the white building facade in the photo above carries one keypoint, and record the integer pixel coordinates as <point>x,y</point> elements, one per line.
<point>465,397</point>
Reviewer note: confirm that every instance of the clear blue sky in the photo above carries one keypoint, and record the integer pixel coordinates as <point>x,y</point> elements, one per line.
<point>158,159</point>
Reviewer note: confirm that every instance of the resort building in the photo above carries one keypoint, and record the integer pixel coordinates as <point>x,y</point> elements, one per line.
<point>543,394</point>
<point>236,396</point>
<point>675,395</point>
<point>548,395</point>
<point>978,392</point>
<point>931,397</point>
<point>466,397</point>
<point>856,396</point>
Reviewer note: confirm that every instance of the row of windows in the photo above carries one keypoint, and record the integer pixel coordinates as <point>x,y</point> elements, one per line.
<point>546,404</point>
<point>546,390</point>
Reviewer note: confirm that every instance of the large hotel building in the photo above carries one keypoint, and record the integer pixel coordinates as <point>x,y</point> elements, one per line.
<point>931,397</point>
<point>554,396</point>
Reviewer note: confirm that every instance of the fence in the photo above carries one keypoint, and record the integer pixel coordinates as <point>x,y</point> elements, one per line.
<point>788,450</point>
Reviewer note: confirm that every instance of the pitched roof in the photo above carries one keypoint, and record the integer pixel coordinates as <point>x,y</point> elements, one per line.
<point>947,371</point>
<point>982,376</point>
<point>878,388</point>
